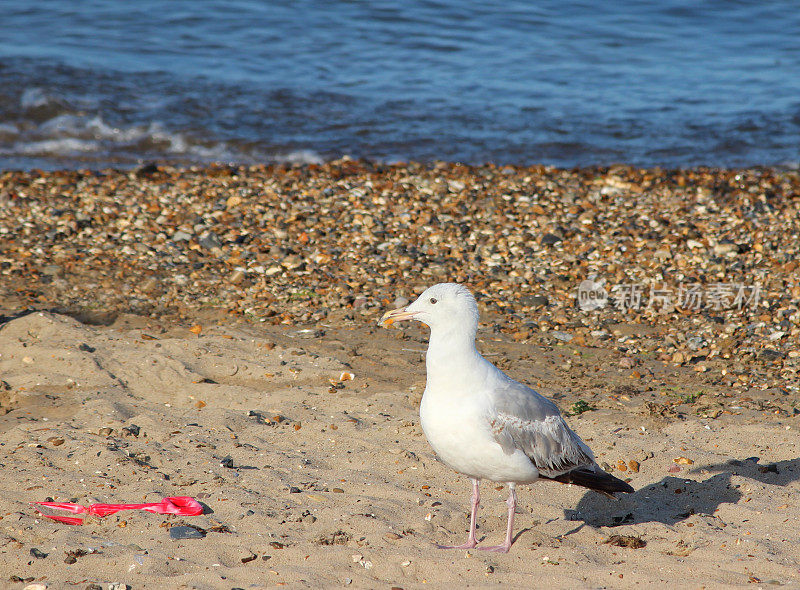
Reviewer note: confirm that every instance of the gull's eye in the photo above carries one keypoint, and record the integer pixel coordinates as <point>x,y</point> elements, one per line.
<point>433,300</point>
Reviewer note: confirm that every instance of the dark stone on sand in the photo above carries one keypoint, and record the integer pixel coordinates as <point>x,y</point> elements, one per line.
<point>535,300</point>
<point>131,429</point>
<point>86,348</point>
<point>227,461</point>
<point>146,169</point>
<point>626,541</point>
<point>769,354</point>
<point>550,239</point>
<point>184,532</point>
<point>38,554</point>
<point>209,241</point>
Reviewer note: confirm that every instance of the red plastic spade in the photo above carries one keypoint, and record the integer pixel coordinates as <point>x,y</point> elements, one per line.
<point>181,505</point>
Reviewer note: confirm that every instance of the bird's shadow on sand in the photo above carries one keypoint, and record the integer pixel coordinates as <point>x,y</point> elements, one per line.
<point>674,499</point>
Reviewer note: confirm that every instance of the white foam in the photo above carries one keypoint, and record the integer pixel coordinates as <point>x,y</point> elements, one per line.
<point>33,98</point>
<point>63,125</point>
<point>60,147</point>
<point>81,134</point>
<point>8,130</point>
<point>300,157</point>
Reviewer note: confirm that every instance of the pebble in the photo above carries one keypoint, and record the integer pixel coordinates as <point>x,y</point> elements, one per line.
<point>562,336</point>
<point>181,236</point>
<point>771,355</point>
<point>626,541</point>
<point>551,239</point>
<point>695,342</point>
<point>38,554</point>
<point>725,249</point>
<point>535,301</point>
<point>400,302</point>
<point>185,532</point>
<point>51,270</point>
<point>236,277</point>
<point>226,461</point>
<point>209,241</point>
<point>131,430</point>
<point>74,554</point>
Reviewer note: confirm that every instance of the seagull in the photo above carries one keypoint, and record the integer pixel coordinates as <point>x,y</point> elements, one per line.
<point>484,424</point>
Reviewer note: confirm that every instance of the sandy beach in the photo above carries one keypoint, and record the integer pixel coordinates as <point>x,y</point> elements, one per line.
<point>213,333</point>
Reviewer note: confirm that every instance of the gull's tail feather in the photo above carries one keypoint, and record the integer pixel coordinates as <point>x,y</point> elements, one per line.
<point>599,481</point>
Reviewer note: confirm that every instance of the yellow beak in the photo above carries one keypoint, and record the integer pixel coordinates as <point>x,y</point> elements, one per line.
<point>396,315</point>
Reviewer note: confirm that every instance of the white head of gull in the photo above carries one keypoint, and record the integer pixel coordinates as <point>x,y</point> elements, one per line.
<point>484,424</point>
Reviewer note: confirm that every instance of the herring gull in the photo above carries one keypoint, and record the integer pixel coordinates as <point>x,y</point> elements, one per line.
<point>484,424</point>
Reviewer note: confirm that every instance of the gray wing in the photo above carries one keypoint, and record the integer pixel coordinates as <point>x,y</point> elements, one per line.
<point>522,419</point>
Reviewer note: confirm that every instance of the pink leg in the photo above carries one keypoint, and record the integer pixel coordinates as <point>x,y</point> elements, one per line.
<point>512,506</point>
<point>471,540</point>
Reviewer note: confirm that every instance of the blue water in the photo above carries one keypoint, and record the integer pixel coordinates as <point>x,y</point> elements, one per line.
<point>672,83</point>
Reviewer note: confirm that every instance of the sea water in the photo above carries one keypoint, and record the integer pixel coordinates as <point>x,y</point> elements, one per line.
<point>93,83</point>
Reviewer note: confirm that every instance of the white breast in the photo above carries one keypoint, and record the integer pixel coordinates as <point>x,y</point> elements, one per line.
<point>457,426</point>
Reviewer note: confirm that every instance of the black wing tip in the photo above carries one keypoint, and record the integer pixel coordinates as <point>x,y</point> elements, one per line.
<point>624,487</point>
<point>598,481</point>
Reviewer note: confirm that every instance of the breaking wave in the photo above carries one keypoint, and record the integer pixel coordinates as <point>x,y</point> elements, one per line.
<point>50,130</point>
